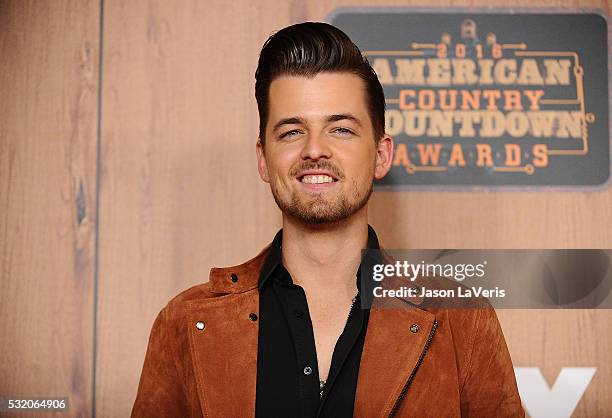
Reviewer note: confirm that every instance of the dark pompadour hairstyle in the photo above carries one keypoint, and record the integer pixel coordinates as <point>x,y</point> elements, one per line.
<point>309,48</point>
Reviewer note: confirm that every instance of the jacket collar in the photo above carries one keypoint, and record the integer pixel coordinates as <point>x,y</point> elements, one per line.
<point>275,257</point>
<point>253,273</point>
<point>240,278</point>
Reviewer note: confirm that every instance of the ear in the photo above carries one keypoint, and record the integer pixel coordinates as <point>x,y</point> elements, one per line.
<point>262,166</point>
<point>384,157</point>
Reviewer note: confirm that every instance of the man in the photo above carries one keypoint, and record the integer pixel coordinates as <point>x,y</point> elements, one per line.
<point>284,334</point>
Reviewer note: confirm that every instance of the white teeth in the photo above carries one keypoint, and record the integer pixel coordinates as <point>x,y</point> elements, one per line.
<point>310,179</point>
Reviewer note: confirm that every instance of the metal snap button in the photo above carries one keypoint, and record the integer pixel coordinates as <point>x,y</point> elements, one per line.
<point>200,325</point>
<point>307,370</point>
<point>234,278</point>
<point>414,328</point>
<point>253,316</point>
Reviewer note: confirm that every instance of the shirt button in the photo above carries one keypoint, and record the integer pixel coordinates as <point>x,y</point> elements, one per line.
<point>298,313</point>
<point>307,370</point>
<point>200,325</point>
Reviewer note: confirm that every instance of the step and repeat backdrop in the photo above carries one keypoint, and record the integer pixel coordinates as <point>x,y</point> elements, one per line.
<point>127,170</point>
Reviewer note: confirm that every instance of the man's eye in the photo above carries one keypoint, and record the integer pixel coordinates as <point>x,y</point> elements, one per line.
<point>343,131</point>
<point>290,133</point>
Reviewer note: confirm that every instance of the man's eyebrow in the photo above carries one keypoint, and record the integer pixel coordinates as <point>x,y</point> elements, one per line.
<point>344,116</point>
<point>288,121</point>
<point>294,120</point>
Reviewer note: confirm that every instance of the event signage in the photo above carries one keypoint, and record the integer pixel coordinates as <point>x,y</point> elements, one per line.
<point>490,99</point>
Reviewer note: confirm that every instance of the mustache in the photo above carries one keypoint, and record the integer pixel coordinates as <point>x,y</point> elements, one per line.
<point>322,165</point>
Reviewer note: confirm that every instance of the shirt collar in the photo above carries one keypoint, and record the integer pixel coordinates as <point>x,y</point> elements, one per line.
<point>275,256</point>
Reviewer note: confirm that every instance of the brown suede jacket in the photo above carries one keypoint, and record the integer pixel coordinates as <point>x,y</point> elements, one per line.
<point>201,359</point>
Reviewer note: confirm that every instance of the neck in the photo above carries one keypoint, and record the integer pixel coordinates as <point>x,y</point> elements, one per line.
<point>325,256</point>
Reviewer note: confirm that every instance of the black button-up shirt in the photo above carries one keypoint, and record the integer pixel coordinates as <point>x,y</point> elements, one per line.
<point>287,369</point>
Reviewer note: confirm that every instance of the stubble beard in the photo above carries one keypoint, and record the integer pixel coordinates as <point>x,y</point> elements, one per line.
<point>320,210</point>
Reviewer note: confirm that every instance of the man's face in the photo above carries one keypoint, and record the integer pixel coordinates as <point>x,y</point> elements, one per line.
<point>320,154</point>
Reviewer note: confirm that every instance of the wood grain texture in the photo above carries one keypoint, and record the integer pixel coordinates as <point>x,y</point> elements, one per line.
<point>48,114</point>
<point>179,191</point>
<point>179,188</point>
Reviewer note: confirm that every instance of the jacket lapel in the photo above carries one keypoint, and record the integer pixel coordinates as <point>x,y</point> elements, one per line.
<point>224,353</point>
<point>224,350</point>
<point>395,339</point>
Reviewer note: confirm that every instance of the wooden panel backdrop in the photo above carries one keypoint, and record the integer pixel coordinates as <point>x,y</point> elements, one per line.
<point>48,119</point>
<point>178,192</point>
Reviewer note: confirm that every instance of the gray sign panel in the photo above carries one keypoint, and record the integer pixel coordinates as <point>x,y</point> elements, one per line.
<point>490,99</point>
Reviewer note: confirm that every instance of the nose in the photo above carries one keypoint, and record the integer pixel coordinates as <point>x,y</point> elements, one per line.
<point>315,147</point>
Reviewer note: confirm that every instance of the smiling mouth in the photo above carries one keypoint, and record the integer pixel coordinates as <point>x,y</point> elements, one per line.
<point>317,179</point>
